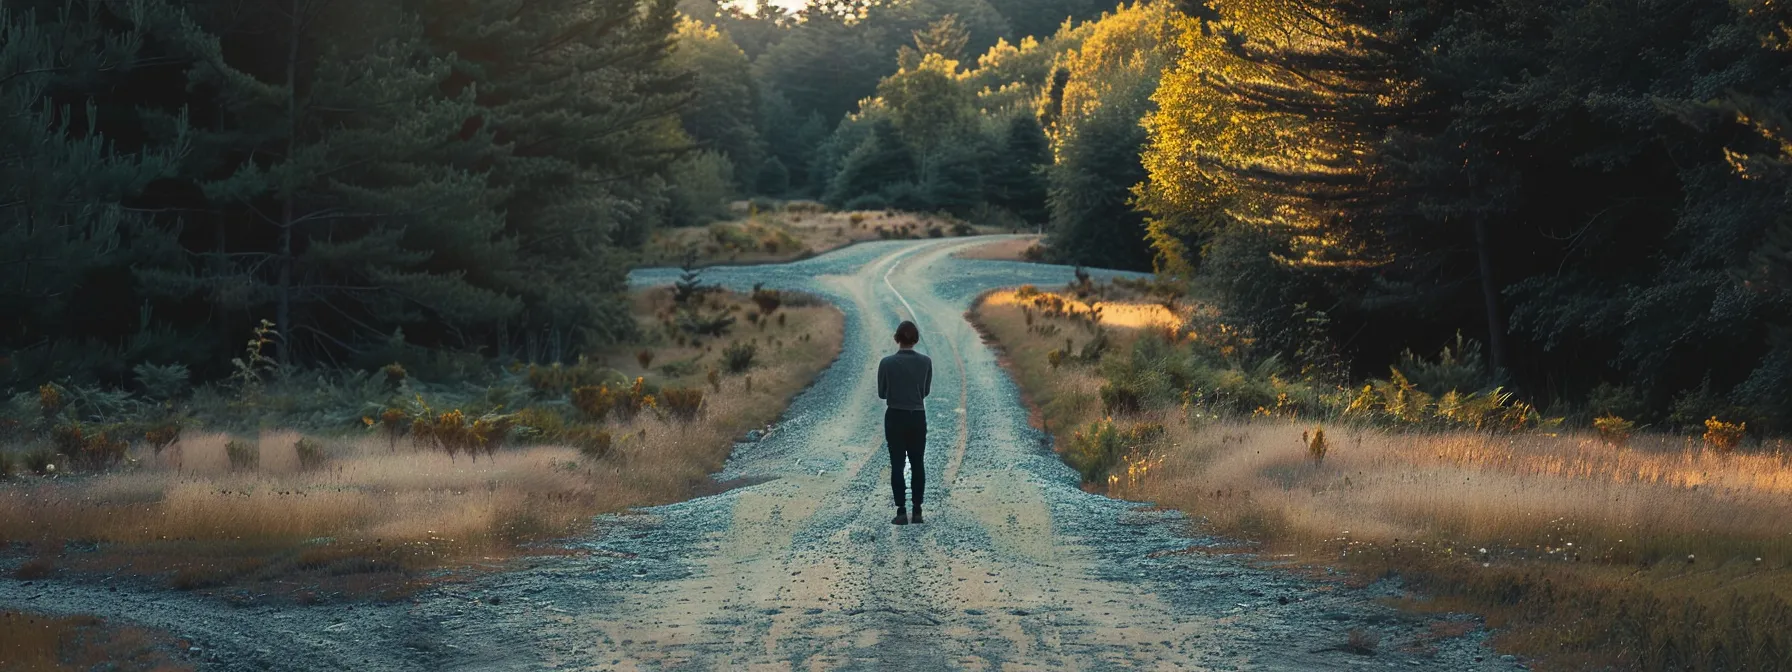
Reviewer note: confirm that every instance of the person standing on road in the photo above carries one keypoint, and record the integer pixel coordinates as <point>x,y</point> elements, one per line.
<point>904,379</point>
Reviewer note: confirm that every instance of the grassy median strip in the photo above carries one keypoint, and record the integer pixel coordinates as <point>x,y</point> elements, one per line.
<point>1587,550</point>
<point>773,231</point>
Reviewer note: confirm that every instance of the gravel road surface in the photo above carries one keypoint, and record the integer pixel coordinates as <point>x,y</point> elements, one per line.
<point>1016,568</point>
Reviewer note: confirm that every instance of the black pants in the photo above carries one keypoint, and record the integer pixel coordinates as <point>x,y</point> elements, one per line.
<point>906,432</point>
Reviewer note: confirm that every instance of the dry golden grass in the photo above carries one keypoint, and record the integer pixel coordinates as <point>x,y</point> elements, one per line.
<point>772,237</point>
<point>374,518</point>
<point>1012,249</point>
<point>38,643</point>
<point>1064,394</point>
<point>1659,555</point>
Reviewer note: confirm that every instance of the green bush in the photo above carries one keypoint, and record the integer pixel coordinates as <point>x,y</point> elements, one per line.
<point>738,356</point>
<point>162,382</point>
<point>89,449</point>
<point>1095,449</point>
<point>1459,367</point>
<point>243,455</point>
<point>311,454</point>
<point>40,461</point>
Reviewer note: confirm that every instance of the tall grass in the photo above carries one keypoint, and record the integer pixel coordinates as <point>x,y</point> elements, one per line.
<point>368,512</point>
<point>1598,549</point>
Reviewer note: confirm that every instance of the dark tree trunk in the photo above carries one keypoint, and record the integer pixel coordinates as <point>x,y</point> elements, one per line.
<point>1490,297</point>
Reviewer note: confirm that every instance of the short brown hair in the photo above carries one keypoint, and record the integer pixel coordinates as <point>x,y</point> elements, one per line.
<point>908,334</point>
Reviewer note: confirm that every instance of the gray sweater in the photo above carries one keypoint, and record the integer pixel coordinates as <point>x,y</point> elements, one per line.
<point>905,378</point>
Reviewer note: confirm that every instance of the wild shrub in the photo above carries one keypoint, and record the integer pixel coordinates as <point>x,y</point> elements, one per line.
<point>1316,445</point>
<point>161,436</point>
<point>87,450</point>
<point>161,382</point>
<point>539,424</point>
<point>633,400</point>
<point>559,379</point>
<point>49,400</point>
<point>738,356</point>
<point>1723,436</point>
<point>715,379</point>
<point>594,402</point>
<point>1623,401</point>
<point>1613,430</point>
<point>594,444</point>
<point>1095,449</point>
<point>393,424</point>
<point>1096,347</point>
<point>455,432</point>
<point>311,454</point>
<point>644,357</point>
<point>683,404</point>
<point>40,461</point>
<point>698,323</point>
<point>768,300</point>
<point>254,365</point>
<point>395,375</point>
<point>1055,358</point>
<point>1119,399</point>
<point>682,368</point>
<point>1459,367</point>
<point>243,456</point>
<point>1397,402</point>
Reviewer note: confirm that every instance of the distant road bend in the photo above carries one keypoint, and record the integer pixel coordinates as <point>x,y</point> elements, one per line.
<point>1016,568</point>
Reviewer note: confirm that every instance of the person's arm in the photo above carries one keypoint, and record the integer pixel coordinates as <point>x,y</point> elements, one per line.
<point>883,383</point>
<point>927,380</point>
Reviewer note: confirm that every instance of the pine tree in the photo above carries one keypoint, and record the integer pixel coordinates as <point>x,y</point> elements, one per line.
<point>724,114</point>
<point>1016,179</point>
<point>879,163</point>
<point>1094,110</point>
<point>64,185</point>
<point>343,181</point>
<point>581,96</point>
<point>774,178</point>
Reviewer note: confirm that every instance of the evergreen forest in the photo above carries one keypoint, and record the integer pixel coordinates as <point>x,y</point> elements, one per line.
<point>1596,197</point>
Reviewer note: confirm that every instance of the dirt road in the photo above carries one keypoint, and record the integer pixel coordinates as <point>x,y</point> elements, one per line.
<point>1016,568</point>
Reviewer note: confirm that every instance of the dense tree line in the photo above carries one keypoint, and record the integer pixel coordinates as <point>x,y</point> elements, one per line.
<point>370,177</point>
<point>913,104</point>
<point>1594,189</point>
<point>1597,192</point>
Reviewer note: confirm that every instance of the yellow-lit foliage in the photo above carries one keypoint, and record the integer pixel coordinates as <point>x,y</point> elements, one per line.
<point>1613,429</point>
<point>1723,436</point>
<point>1210,141</point>
<point>1124,50</point>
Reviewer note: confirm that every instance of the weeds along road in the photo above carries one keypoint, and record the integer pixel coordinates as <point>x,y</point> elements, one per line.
<point>1016,568</point>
